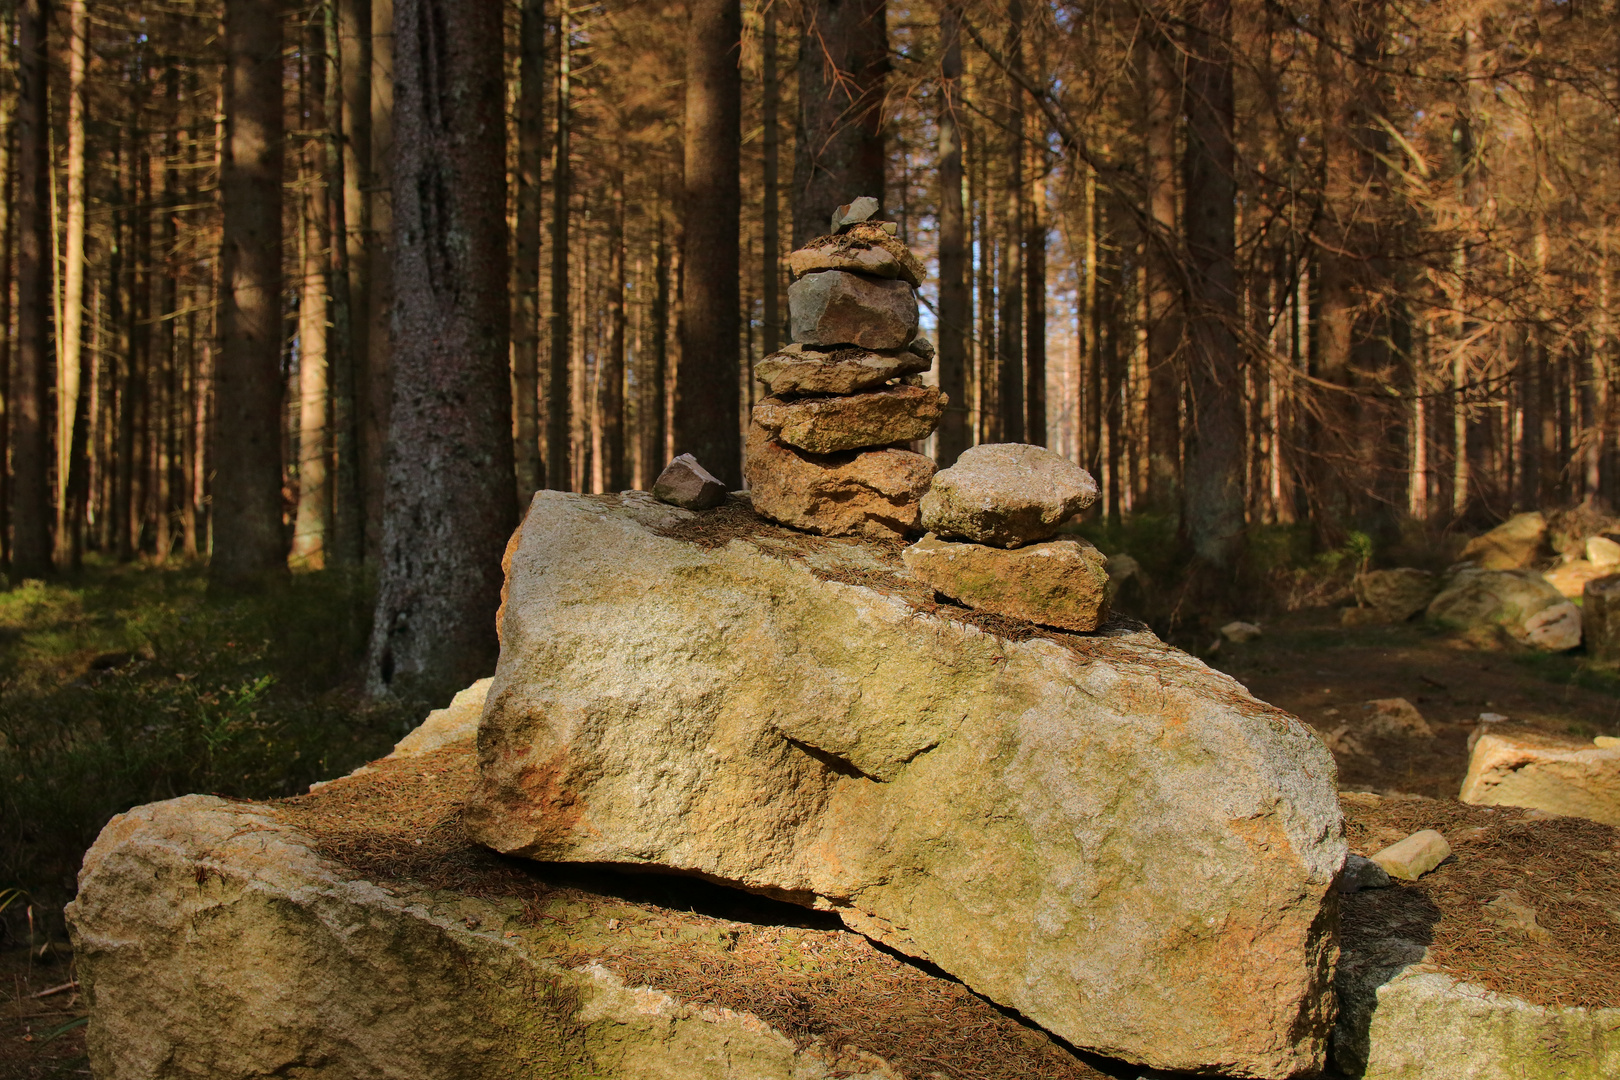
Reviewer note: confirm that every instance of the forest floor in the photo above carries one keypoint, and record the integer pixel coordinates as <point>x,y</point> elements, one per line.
<point>1306,663</point>
<point>40,1036</point>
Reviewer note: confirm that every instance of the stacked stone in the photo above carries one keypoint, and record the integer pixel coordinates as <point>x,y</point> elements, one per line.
<point>822,448</point>
<point>1002,504</point>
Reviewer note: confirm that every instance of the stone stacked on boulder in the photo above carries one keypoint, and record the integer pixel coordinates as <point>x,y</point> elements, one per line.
<point>1004,503</point>
<point>822,449</point>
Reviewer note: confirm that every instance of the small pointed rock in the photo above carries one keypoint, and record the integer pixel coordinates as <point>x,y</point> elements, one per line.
<point>854,212</point>
<point>687,484</point>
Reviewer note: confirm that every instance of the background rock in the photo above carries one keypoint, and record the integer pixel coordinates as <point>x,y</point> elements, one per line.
<point>1006,494</point>
<point>1480,598</point>
<point>1396,594</point>
<point>1600,619</point>
<point>1060,583</point>
<point>1100,833</point>
<point>874,493</point>
<point>1521,768</point>
<point>833,307</point>
<point>828,425</point>
<point>1512,545</point>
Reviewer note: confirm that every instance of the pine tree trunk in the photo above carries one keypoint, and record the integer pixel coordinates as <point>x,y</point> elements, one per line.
<point>375,384</point>
<point>7,224</point>
<point>610,381</point>
<point>838,156</point>
<point>1164,328</point>
<point>247,445</point>
<point>559,396</point>
<point>70,349</point>
<point>314,499</point>
<point>654,403</point>
<point>30,440</point>
<point>345,532</point>
<point>531,138</point>
<point>451,495</point>
<point>771,217</point>
<point>355,61</point>
<point>1214,469</point>
<point>1010,271</point>
<point>706,394</point>
<point>1035,305</point>
<point>955,305</point>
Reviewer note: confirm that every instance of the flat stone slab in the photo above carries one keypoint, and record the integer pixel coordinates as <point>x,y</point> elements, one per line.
<point>1435,983</point>
<point>799,369</point>
<point>1101,832</point>
<point>865,249</point>
<point>827,425</point>
<point>835,307</point>
<point>1062,583</point>
<point>1006,494</point>
<point>1540,772</point>
<point>358,933</point>
<point>872,493</point>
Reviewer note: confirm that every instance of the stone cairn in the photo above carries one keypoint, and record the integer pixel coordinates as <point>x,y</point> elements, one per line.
<point>825,449</point>
<point>991,519</point>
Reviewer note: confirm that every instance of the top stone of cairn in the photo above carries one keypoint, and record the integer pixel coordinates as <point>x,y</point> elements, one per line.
<point>1006,495</point>
<point>854,212</point>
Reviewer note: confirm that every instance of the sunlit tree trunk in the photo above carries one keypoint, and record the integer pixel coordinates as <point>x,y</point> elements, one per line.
<point>1035,236</point>
<point>247,445</point>
<point>955,306</point>
<point>706,388</point>
<point>559,397</point>
<point>1010,268</point>
<point>71,332</point>
<point>312,523</point>
<point>353,84</point>
<point>771,227</point>
<point>610,380</point>
<point>451,500</point>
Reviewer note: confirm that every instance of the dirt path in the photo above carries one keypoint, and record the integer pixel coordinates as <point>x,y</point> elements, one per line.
<point>40,1037</point>
<point>1324,674</point>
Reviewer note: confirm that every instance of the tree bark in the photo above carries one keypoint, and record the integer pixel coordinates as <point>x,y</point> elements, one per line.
<point>1164,329</point>
<point>1214,470</point>
<point>354,61</point>
<point>247,383</point>
<point>955,305</point>
<point>526,301</point>
<point>610,378</point>
<point>706,380</point>
<point>1010,345</point>
<point>30,441</point>
<point>771,235</point>
<point>7,223</point>
<point>1035,303</point>
<point>559,398</point>
<point>375,386</point>
<point>843,65</point>
<point>71,332</point>
<point>345,532</point>
<point>451,495</point>
<point>314,499</point>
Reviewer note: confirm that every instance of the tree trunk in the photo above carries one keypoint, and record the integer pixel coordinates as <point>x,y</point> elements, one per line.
<point>1010,346</point>
<point>1164,328</point>
<point>71,332</point>
<point>247,385</point>
<point>526,301</point>
<point>1214,470</point>
<point>7,222</point>
<point>30,440</point>
<point>354,56</point>
<point>610,379</point>
<point>843,64</point>
<point>955,305</point>
<point>772,142</point>
<point>1035,304</point>
<point>375,387</point>
<point>451,494</point>
<point>559,399</point>
<point>314,499</point>
<point>654,403</point>
<point>706,380</point>
<point>345,532</point>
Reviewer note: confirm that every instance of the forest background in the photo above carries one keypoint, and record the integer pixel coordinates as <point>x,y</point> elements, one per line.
<point>1336,273</point>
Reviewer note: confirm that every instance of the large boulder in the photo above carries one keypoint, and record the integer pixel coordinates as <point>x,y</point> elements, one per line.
<point>1397,594</point>
<point>1098,832</point>
<point>1512,545</point>
<point>1493,598</point>
<point>357,934</point>
<point>1544,772</point>
<point>875,493</point>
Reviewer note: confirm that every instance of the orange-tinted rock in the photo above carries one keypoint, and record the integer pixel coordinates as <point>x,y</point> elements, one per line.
<point>857,493</point>
<point>827,425</point>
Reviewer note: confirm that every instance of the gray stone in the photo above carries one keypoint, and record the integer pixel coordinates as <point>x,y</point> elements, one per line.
<point>1512,545</point>
<point>923,347</point>
<point>854,212</point>
<point>827,425</point>
<point>687,484</point>
<point>1099,832</point>
<point>1360,873</point>
<point>1006,494</point>
<point>799,369</point>
<point>1492,598</point>
<point>833,307</point>
<point>874,493</point>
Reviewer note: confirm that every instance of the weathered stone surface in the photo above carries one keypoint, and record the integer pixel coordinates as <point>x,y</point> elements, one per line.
<point>1556,628</point>
<point>1602,551</point>
<point>1415,856</point>
<point>1060,583</point>
<point>923,346</point>
<point>687,484</point>
<point>827,425</point>
<point>832,307</point>
<point>1398,594</point>
<point>1512,545</point>
<point>1506,598</point>
<point>1240,632</point>
<point>218,939</point>
<point>875,493</point>
<point>1396,718</point>
<point>1006,494</point>
<point>1544,773</point>
<point>854,212</point>
<point>1400,1019</point>
<point>1100,833</point>
<point>864,249</point>
<point>1360,873</point>
<point>1600,619</point>
<point>798,369</point>
<point>1570,578</point>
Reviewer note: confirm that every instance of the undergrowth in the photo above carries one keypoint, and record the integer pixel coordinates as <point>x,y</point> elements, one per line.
<point>127,685</point>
